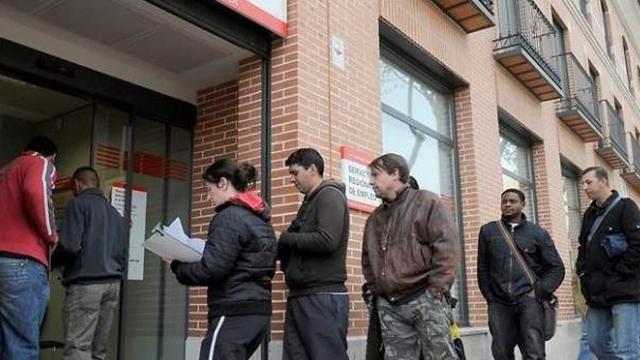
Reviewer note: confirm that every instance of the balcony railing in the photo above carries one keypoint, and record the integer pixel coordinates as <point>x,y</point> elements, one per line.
<point>613,148</point>
<point>471,15</point>
<point>579,107</point>
<point>632,173</point>
<point>527,47</point>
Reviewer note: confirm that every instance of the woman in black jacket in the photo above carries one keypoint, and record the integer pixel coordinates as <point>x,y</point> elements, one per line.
<point>237,264</point>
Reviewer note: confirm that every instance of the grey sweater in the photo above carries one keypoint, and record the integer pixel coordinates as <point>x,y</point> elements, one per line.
<point>92,240</point>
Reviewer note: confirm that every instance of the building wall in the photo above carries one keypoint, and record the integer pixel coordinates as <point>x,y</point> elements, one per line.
<point>316,103</point>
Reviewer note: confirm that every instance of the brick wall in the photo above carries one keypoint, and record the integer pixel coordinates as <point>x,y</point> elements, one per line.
<point>315,103</point>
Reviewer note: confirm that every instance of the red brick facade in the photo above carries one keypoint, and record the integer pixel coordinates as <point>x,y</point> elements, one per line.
<point>316,103</point>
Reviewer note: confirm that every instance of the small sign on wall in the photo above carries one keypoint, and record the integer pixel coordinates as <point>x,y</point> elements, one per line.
<point>355,175</point>
<point>338,56</point>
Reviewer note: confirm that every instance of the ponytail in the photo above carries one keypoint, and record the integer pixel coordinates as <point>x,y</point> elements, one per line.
<point>241,176</point>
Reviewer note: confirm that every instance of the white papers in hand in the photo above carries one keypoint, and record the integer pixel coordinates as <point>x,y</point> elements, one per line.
<point>172,242</point>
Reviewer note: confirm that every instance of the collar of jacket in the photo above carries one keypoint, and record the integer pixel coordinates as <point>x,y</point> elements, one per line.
<point>522,222</point>
<point>91,191</point>
<point>400,196</point>
<point>325,183</point>
<point>599,209</point>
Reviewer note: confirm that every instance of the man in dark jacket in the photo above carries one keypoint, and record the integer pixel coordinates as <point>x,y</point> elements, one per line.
<point>516,316</point>
<point>312,255</point>
<point>610,280</point>
<point>409,261</point>
<point>27,232</point>
<point>92,251</point>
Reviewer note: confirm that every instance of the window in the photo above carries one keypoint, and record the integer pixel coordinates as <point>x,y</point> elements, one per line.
<point>583,9</point>
<point>607,29</point>
<point>627,64</point>
<point>417,124</point>
<point>595,78</point>
<point>508,18</point>
<point>571,195</point>
<point>573,215</point>
<point>638,71</point>
<point>618,108</point>
<point>517,168</point>
<point>561,59</point>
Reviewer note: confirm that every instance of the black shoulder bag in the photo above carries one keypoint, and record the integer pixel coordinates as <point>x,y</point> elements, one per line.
<point>549,305</point>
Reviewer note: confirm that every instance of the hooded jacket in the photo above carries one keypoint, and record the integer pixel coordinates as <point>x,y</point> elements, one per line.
<point>27,221</point>
<point>608,281</point>
<point>313,250</point>
<point>410,245</point>
<point>92,240</point>
<point>500,276</point>
<point>238,261</point>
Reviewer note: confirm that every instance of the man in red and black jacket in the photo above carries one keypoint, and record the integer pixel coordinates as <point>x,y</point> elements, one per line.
<point>27,233</point>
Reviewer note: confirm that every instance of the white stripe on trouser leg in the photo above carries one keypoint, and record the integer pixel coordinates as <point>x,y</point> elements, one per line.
<point>215,336</point>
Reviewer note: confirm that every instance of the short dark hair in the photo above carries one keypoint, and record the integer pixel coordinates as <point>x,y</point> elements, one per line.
<point>515,191</point>
<point>87,175</point>
<point>600,172</point>
<point>413,183</point>
<point>42,145</point>
<point>241,176</point>
<point>306,157</point>
<point>391,162</point>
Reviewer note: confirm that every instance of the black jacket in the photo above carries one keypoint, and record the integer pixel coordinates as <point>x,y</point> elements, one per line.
<point>92,240</point>
<point>313,250</point>
<point>238,261</point>
<point>501,278</point>
<point>607,281</point>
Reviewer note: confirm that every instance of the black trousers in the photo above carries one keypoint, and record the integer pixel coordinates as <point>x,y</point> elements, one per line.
<point>234,337</point>
<point>521,324</point>
<point>316,327</point>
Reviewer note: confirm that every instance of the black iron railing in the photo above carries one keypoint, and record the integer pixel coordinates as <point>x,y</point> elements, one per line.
<point>529,28</point>
<point>580,91</point>
<point>615,128</point>
<point>488,4</point>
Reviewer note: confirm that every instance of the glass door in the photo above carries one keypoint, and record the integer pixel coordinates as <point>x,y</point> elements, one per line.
<point>71,132</point>
<point>156,305</point>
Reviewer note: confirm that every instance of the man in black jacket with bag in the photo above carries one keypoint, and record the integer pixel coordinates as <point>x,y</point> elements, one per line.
<point>516,314</point>
<point>609,269</point>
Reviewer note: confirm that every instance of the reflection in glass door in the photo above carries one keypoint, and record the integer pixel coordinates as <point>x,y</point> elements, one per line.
<point>158,165</point>
<point>155,321</point>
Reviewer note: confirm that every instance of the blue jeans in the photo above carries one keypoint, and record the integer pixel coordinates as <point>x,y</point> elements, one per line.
<point>585,352</point>
<point>24,295</point>
<point>614,332</point>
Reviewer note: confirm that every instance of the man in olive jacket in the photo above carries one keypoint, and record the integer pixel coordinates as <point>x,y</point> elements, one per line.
<point>409,261</point>
<point>610,281</point>
<point>312,254</point>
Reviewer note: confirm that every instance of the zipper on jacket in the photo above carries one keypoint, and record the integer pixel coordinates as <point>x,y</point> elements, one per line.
<point>510,287</point>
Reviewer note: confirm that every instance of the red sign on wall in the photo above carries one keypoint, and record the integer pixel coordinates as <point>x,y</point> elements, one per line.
<point>271,14</point>
<point>355,175</point>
